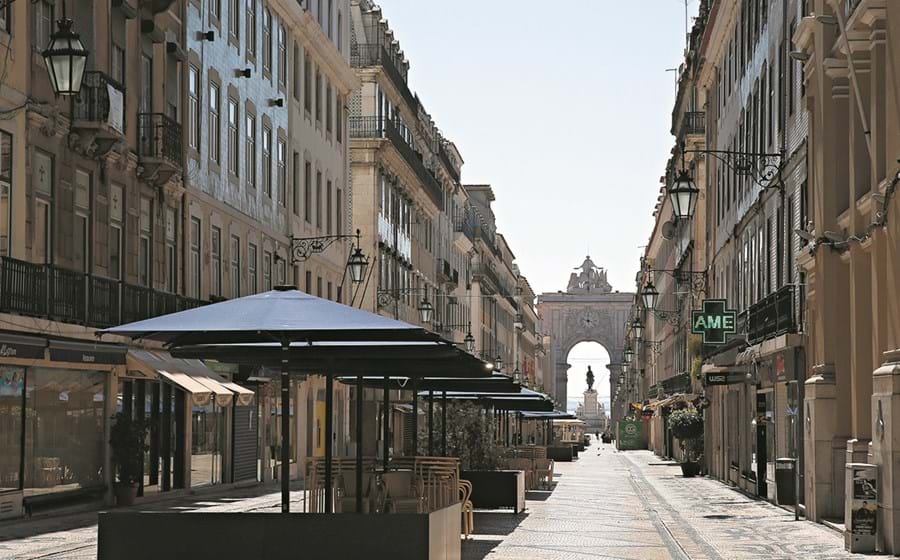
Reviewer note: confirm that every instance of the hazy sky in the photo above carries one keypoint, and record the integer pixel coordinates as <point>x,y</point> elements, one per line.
<point>564,107</point>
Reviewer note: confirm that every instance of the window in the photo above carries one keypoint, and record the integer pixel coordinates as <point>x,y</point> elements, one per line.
<point>195,258</point>
<point>250,151</point>
<point>340,212</point>
<point>194,107</point>
<point>329,211</point>
<point>234,18</point>
<point>6,161</point>
<point>339,114</point>
<point>235,266</point>
<point>319,286</point>
<point>251,267</point>
<point>267,270</point>
<point>145,247</point>
<point>281,157</point>
<point>307,83</point>
<point>215,124</point>
<point>215,9</point>
<point>279,270</point>
<point>171,251</point>
<point>215,256</point>
<point>117,63</point>
<point>251,29</point>
<point>296,68</point>
<point>319,13</point>
<point>307,192</point>
<point>295,183</point>
<point>282,55</point>
<point>328,111</point>
<point>340,31</point>
<point>309,282</point>
<point>115,251</point>
<point>267,41</point>
<point>267,161</point>
<point>44,22</point>
<point>233,159</point>
<point>330,24</point>
<point>330,290</point>
<point>318,95</point>
<point>319,199</point>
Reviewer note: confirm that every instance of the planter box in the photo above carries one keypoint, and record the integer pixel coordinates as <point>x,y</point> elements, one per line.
<point>497,489</point>
<point>561,453</point>
<point>276,536</point>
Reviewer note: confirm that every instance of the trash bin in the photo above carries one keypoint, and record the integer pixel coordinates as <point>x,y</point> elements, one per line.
<point>784,481</point>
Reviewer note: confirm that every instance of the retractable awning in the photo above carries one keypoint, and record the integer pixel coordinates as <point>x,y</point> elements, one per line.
<point>192,376</point>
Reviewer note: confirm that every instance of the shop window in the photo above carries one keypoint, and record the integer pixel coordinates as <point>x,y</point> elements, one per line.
<point>64,430</point>
<point>12,394</point>
<point>207,443</point>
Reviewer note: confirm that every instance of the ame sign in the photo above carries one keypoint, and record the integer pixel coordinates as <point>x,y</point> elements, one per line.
<point>714,322</point>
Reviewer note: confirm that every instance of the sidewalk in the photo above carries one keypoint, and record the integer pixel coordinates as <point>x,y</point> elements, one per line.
<point>74,536</point>
<point>627,505</point>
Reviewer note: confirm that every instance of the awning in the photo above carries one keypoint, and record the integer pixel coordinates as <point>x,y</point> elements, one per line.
<point>681,397</point>
<point>709,368</point>
<point>192,376</point>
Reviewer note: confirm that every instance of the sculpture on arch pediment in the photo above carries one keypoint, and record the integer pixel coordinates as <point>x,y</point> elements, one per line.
<point>591,279</point>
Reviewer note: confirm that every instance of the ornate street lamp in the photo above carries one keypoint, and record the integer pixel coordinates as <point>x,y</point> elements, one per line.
<point>426,309</point>
<point>65,58</point>
<point>621,379</point>
<point>357,265</point>
<point>469,341</point>
<point>683,195</point>
<point>498,363</point>
<point>638,328</point>
<point>650,294</point>
<point>629,354</point>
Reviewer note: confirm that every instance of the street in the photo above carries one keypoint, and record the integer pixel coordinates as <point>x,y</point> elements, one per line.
<point>607,505</point>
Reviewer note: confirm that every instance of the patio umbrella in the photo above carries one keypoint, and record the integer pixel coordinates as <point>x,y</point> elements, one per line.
<point>299,332</point>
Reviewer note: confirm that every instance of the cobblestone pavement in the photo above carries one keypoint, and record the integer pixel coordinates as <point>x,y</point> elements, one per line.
<point>631,506</point>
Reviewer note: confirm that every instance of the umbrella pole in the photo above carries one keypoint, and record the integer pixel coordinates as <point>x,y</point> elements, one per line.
<point>386,431</point>
<point>415,430</point>
<point>359,436</point>
<point>285,431</point>
<point>329,441</point>
<point>430,423</point>
<point>444,424</point>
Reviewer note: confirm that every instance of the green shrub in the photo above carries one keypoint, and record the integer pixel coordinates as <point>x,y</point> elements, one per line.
<point>127,438</point>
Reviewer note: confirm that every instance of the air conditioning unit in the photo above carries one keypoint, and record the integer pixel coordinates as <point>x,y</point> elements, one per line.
<point>11,505</point>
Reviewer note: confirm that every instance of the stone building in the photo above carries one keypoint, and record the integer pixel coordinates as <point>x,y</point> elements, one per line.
<point>850,93</point>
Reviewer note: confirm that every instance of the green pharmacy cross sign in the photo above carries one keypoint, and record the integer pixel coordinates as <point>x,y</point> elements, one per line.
<point>714,322</point>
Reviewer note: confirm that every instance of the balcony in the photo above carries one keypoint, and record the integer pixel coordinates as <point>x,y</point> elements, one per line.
<point>850,6</point>
<point>693,123</point>
<point>369,55</point>
<point>52,292</point>
<point>445,159</point>
<point>483,272</point>
<point>159,147</point>
<point>379,127</point>
<point>98,115</point>
<point>772,316</point>
<point>464,223</point>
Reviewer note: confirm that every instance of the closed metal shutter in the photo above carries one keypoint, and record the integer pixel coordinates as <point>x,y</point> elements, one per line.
<point>245,442</point>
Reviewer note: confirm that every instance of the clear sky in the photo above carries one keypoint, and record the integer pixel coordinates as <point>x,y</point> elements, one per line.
<point>563,106</point>
<point>583,355</point>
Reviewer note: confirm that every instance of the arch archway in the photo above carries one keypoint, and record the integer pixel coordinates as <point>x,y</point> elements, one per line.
<point>588,311</point>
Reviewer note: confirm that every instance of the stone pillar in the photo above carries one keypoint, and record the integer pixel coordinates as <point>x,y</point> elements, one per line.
<point>886,448</point>
<point>820,412</point>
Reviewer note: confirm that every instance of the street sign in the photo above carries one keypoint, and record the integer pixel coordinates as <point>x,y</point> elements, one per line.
<point>714,322</point>
<point>724,378</point>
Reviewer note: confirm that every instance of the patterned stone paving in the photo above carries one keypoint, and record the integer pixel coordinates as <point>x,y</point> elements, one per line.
<point>629,506</point>
<point>606,506</point>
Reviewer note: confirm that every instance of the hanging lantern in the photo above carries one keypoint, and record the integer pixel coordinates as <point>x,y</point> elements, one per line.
<point>683,196</point>
<point>65,58</point>
<point>650,295</point>
<point>426,309</point>
<point>469,341</point>
<point>357,265</point>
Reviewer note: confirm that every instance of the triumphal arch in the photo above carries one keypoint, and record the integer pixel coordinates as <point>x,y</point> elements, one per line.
<point>588,311</point>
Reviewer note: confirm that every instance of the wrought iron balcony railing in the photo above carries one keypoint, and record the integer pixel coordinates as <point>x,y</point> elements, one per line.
<point>772,316</point>
<point>101,100</point>
<point>694,122</point>
<point>445,159</point>
<point>160,138</point>
<point>464,223</point>
<point>366,55</point>
<point>52,292</point>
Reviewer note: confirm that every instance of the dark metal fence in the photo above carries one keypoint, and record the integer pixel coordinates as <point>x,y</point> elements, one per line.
<point>53,292</point>
<point>772,316</point>
<point>365,55</point>
<point>160,138</point>
<point>92,102</point>
<point>694,123</point>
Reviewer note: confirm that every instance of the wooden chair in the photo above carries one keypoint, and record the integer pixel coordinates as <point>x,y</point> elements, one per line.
<point>347,498</point>
<point>543,470</point>
<point>402,493</point>
<point>468,510</point>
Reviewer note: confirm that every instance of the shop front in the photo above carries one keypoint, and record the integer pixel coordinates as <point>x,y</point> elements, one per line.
<point>54,411</point>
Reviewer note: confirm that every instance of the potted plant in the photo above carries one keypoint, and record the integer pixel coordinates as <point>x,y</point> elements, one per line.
<point>687,425</point>
<point>128,442</point>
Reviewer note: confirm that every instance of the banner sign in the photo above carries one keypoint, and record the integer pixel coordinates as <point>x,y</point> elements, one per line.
<point>724,378</point>
<point>714,322</point>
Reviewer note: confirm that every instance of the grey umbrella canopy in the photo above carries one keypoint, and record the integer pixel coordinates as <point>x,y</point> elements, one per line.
<point>284,314</point>
<point>272,323</point>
